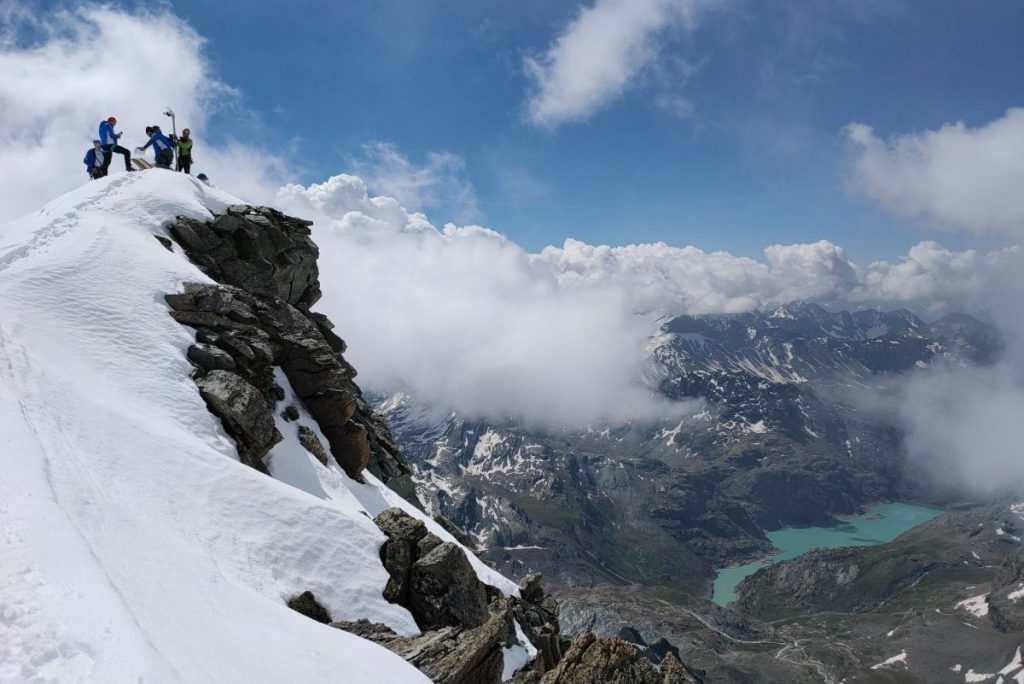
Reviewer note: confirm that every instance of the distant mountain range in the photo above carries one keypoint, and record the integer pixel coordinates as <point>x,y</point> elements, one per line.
<point>774,431</point>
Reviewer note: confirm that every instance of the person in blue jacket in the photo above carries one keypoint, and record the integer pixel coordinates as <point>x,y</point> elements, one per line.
<point>94,161</point>
<point>162,146</point>
<point>108,141</point>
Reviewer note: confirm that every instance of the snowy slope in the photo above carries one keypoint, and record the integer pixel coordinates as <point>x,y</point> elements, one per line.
<point>135,547</point>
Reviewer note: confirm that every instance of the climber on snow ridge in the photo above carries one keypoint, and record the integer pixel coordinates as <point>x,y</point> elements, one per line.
<point>161,145</point>
<point>108,140</point>
<point>94,160</point>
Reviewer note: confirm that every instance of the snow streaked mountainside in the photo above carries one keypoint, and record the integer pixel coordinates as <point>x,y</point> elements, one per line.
<point>136,546</point>
<point>781,436</point>
<point>753,366</point>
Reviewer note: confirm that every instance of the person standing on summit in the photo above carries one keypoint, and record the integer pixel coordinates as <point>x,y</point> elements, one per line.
<point>184,144</point>
<point>94,159</point>
<point>162,146</point>
<point>108,142</point>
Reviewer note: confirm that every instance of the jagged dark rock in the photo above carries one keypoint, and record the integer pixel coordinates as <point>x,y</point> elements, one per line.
<point>590,660</point>
<point>655,652</point>
<point>257,249</point>
<point>309,440</point>
<point>531,587</point>
<point>354,448</point>
<point>660,650</point>
<point>374,631</point>
<point>444,589</point>
<point>448,655</point>
<point>537,614</point>
<point>210,358</point>
<point>400,526</point>
<point>258,317</point>
<point>244,413</point>
<point>433,579</point>
<point>307,604</point>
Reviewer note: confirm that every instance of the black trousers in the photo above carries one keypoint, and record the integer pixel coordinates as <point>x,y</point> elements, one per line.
<point>185,163</point>
<point>164,158</point>
<point>108,153</point>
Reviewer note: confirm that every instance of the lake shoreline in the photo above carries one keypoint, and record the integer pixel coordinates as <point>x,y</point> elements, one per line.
<point>878,524</point>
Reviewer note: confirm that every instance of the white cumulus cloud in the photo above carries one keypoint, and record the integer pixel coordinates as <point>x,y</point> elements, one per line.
<point>961,423</point>
<point>963,177</point>
<point>437,182</point>
<point>465,319</point>
<point>597,56</point>
<point>62,73</point>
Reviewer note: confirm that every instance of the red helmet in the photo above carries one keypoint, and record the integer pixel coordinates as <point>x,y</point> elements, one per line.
<point>112,119</point>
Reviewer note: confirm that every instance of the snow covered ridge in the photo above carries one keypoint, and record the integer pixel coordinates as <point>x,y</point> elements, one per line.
<point>137,547</point>
<point>191,474</point>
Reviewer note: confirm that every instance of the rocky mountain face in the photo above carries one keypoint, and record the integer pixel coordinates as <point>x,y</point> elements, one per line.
<point>254,332</point>
<point>257,317</point>
<point>774,430</point>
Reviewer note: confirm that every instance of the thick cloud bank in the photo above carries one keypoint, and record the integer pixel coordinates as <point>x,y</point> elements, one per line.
<point>62,73</point>
<point>966,177</point>
<point>601,51</point>
<point>963,424</point>
<point>465,319</point>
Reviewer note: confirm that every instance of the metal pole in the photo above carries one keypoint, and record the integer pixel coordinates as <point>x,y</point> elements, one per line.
<point>174,134</point>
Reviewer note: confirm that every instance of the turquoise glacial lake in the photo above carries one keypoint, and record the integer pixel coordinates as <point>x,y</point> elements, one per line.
<point>877,525</point>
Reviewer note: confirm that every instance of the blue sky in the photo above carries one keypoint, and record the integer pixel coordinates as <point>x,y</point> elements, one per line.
<point>728,137</point>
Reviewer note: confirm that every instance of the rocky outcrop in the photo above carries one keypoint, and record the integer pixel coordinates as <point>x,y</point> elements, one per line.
<point>257,318</point>
<point>244,412</point>
<point>258,249</point>
<point>537,615</point>
<point>615,661</point>
<point>436,582</point>
<point>433,579</point>
<point>456,655</point>
<point>449,655</point>
<point>307,604</point>
<point>312,444</point>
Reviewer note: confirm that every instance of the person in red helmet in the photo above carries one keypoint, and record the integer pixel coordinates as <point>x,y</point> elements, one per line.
<point>108,141</point>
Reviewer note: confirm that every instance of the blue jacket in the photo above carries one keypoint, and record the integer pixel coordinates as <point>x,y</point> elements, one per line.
<point>107,134</point>
<point>159,141</point>
<point>92,160</point>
